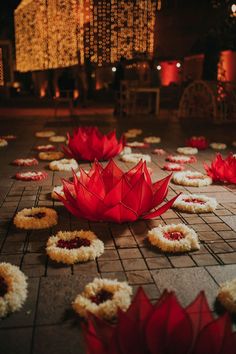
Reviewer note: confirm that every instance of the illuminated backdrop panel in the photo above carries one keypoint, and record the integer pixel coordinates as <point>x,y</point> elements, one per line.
<point>60,33</point>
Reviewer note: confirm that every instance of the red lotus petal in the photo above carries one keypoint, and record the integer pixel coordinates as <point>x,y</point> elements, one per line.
<point>109,194</point>
<point>199,142</point>
<point>165,328</point>
<point>88,143</point>
<point>131,325</point>
<point>161,210</point>
<point>216,338</point>
<point>120,213</point>
<point>111,175</point>
<point>139,197</point>
<point>96,185</point>
<point>140,169</point>
<point>161,190</point>
<point>115,195</point>
<point>222,170</point>
<point>199,313</point>
<point>94,344</point>
<point>168,326</point>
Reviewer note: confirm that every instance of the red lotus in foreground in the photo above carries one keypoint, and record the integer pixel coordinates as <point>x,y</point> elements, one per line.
<point>163,328</point>
<point>222,170</point>
<point>88,144</point>
<point>199,142</point>
<point>109,194</point>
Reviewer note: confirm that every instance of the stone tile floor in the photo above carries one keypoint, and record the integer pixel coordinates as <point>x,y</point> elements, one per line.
<point>46,323</point>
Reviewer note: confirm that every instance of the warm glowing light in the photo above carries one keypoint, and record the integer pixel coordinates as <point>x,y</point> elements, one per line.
<point>54,34</point>
<point>233,8</point>
<point>158,67</point>
<point>42,92</point>
<point>75,94</point>
<point>113,69</point>
<point>178,65</point>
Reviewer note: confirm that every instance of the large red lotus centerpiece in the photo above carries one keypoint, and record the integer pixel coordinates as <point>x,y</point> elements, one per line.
<point>163,328</point>
<point>222,170</point>
<point>88,144</point>
<point>109,194</point>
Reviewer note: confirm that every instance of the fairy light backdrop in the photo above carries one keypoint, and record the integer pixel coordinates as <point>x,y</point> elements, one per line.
<point>60,33</point>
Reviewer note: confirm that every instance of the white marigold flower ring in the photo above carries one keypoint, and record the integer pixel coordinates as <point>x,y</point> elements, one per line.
<point>31,176</point>
<point>3,143</point>
<point>195,203</point>
<point>191,179</point>
<point>51,155</point>
<point>135,158</point>
<point>174,238</point>
<point>48,147</point>
<point>227,295</point>
<point>13,289</point>
<point>171,166</point>
<point>76,246</point>
<point>103,298</point>
<point>181,159</point>
<point>57,139</point>
<point>25,162</point>
<point>152,140</point>
<point>187,150</point>
<point>159,152</point>
<point>36,218</point>
<point>133,133</point>
<point>45,134</point>
<point>126,150</point>
<point>63,165</point>
<point>218,146</point>
<point>137,144</point>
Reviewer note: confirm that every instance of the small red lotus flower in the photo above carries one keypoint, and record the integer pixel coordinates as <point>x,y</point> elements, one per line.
<point>199,142</point>
<point>88,144</point>
<point>165,327</point>
<point>109,194</point>
<point>222,170</point>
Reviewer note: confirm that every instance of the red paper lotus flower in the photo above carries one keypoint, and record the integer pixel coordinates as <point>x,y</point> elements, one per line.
<point>164,328</point>
<point>109,194</point>
<point>222,170</point>
<point>89,143</point>
<point>199,142</point>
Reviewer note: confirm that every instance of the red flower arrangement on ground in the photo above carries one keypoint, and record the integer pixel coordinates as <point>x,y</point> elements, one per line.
<point>222,170</point>
<point>181,159</point>
<point>109,194</point>
<point>25,162</point>
<point>199,142</point>
<point>165,327</point>
<point>171,166</point>
<point>31,176</point>
<point>43,148</point>
<point>88,144</point>
<point>137,144</point>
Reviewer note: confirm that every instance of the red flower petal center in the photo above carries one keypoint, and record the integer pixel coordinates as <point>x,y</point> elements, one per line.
<point>74,243</point>
<point>102,296</point>
<point>194,200</point>
<point>37,216</point>
<point>3,287</point>
<point>174,235</point>
<point>195,177</point>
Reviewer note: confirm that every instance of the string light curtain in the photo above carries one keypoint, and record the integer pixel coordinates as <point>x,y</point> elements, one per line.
<point>60,33</point>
